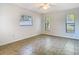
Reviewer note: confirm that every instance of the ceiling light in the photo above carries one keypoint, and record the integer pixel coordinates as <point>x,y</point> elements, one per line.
<point>44,6</point>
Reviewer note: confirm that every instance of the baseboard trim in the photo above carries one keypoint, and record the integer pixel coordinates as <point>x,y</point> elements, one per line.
<point>20,40</point>
<point>59,36</point>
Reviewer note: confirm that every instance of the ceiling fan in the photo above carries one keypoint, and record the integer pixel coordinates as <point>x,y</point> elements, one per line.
<point>46,6</point>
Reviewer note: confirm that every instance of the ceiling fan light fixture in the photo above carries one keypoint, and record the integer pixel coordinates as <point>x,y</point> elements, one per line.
<point>45,6</point>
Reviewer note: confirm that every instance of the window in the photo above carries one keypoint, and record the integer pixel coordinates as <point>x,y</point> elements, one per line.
<point>26,20</point>
<point>70,23</point>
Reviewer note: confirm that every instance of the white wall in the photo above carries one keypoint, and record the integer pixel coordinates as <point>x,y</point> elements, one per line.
<point>58,27</point>
<point>10,30</point>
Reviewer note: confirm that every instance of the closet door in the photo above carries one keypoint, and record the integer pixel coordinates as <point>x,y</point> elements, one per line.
<point>47,23</point>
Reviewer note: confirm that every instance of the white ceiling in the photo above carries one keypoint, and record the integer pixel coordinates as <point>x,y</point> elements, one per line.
<point>35,7</point>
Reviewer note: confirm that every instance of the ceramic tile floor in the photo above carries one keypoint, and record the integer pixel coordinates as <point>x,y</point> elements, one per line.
<point>42,45</point>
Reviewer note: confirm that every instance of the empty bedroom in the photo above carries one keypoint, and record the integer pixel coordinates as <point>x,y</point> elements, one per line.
<point>39,28</point>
